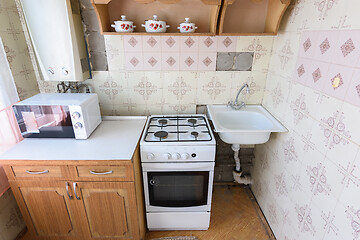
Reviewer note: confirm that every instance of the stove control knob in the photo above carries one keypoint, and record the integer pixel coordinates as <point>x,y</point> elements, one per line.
<point>185,156</point>
<point>167,156</point>
<point>150,156</point>
<point>175,156</point>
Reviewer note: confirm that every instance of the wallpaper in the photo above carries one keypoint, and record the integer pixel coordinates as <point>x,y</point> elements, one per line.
<point>307,181</point>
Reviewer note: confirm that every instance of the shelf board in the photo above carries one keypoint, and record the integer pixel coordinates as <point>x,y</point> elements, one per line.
<point>160,34</point>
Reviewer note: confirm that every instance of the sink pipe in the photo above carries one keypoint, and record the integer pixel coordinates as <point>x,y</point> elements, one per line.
<point>237,173</point>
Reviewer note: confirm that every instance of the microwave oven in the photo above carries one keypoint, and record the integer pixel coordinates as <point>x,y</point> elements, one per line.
<point>58,115</point>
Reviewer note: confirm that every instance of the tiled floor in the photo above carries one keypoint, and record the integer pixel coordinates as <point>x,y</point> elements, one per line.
<point>235,216</point>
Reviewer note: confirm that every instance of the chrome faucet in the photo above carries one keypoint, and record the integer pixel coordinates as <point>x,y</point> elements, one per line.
<point>236,105</point>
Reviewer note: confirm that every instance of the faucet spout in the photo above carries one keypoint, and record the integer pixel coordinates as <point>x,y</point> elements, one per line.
<point>236,105</point>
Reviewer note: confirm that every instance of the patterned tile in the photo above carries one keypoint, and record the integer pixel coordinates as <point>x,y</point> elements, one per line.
<point>226,43</point>
<point>170,61</point>
<point>325,45</point>
<point>188,61</point>
<point>170,43</point>
<point>207,44</point>
<point>207,61</point>
<point>338,81</point>
<point>151,43</point>
<point>347,51</point>
<point>152,61</point>
<point>133,43</point>
<point>189,44</point>
<point>134,61</point>
<point>353,93</point>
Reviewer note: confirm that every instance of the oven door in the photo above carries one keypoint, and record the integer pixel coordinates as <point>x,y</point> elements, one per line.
<point>176,187</point>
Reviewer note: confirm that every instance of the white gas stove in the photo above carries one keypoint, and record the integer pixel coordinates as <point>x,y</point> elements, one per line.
<point>178,158</point>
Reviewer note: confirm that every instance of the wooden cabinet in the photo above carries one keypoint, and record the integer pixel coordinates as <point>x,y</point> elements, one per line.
<point>100,200</point>
<point>212,17</point>
<point>110,209</point>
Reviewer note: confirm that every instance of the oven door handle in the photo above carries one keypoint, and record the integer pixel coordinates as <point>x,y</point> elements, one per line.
<point>189,167</point>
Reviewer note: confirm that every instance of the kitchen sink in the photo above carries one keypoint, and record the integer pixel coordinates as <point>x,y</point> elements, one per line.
<point>252,124</point>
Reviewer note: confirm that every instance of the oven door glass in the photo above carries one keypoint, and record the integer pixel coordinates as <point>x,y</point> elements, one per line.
<point>44,121</point>
<point>178,189</point>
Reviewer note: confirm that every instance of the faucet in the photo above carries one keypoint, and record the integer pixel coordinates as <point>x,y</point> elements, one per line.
<point>236,105</point>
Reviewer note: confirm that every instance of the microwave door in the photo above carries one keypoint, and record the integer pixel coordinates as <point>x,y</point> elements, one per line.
<point>44,121</point>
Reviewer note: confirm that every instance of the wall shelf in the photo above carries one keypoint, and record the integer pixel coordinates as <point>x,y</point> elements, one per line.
<point>212,17</point>
<point>204,13</point>
<point>251,17</point>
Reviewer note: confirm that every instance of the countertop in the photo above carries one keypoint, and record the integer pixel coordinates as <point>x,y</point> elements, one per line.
<point>115,138</point>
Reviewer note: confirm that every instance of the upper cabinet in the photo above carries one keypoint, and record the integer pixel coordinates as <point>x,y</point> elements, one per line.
<point>212,17</point>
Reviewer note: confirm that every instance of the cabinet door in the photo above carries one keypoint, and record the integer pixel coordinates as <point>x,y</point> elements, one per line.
<point>48,210</point>
<point>110,209</point>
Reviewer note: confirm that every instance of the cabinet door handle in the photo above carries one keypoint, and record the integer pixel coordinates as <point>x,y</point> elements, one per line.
<point>101,173</point>
<point>67,190</point>
<point>74,186</point>
<point>32,172</point>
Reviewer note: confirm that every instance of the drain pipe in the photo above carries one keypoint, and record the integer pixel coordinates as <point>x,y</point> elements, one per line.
<point>237,173</point>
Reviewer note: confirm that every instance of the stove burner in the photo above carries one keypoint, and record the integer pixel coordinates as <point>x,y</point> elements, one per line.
<point>161,134</point>
<point>162,122</point>
<point>194,134</point>
<point>192,121</point>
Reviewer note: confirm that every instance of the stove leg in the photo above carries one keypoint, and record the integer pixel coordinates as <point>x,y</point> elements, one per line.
<point>237,173</point>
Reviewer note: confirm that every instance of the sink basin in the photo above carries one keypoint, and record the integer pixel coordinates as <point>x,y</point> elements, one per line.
<point>252,124</point>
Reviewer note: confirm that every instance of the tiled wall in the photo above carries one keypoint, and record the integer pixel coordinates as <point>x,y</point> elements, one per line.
<point>18,56</point>
<point>134,86</point>
<point>307,181</point>
<point>11,222</point>
<point>16,49</point>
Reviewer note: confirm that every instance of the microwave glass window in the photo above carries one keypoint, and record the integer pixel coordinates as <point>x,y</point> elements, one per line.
<point>178,189</point>
<point>44,121</point>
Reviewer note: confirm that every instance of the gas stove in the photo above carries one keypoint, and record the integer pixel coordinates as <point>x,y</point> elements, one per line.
<point>177,159</point>
<point>177,130</point>
<point>175,138</point>
<point>193,128</point>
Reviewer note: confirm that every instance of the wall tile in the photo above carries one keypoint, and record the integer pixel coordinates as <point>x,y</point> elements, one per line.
<point>152,61</point>
<point>353,93</point>
<point>134,61</point>
<point>325,45</point>
<point>189,61</point>
<point>226,44</point>
<point>170,43</point>
<point>170,61</point>
<point>133,43</point>
<point>151,43</point>
<point>207,44</point>
<point>189,44</point>
<point>347,48</point>
<point>338,81</point>
<point>207,61</point>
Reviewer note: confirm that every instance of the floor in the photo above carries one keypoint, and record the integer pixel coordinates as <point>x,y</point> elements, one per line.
<point>235,215</point>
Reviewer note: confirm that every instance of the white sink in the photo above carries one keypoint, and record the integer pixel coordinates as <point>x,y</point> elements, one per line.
<point>251,124</point>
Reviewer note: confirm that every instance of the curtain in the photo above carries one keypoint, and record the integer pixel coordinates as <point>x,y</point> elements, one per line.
<point>9,130</point>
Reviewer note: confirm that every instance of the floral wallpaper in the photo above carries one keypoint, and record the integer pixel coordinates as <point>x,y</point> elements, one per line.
<point>307,181</point>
